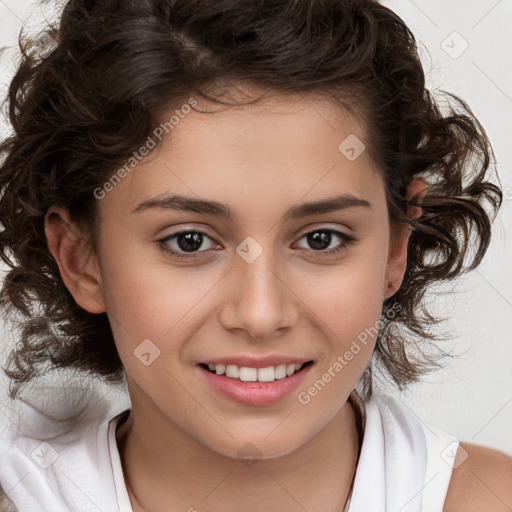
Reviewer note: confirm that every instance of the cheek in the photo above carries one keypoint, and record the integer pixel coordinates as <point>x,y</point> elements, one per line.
<point>153,300</point>
<point>346,305</point>
<point>149,299</point>
<point>347,297</point>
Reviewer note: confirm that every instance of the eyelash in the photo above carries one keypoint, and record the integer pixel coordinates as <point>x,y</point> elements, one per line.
<point>348,240</point>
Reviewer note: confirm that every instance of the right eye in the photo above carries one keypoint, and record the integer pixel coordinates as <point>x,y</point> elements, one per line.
<point>183,242</point>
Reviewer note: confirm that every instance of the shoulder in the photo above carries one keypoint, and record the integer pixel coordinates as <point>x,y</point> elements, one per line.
<point>6,505</point>
<point>481,481</point>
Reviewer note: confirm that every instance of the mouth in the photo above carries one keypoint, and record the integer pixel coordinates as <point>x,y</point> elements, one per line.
<point>252,374</point>
<point>252,386</point>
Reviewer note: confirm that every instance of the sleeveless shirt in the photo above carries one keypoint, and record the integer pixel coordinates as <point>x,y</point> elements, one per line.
<point>51,465</point>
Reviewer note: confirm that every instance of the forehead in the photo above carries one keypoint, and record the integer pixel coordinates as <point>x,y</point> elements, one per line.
<point>253,125</point>
<point>280,150</point>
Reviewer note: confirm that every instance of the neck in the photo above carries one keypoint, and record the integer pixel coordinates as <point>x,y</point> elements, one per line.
<point>166,465</point>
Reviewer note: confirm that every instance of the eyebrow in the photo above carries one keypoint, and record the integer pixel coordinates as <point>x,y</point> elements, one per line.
<point>190,204</point>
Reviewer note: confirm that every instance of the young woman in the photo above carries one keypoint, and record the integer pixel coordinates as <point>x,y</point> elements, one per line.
<point>235,209</point>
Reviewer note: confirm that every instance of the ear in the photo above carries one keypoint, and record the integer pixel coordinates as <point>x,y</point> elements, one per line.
<point>77,263</point>
<point>397,257</point>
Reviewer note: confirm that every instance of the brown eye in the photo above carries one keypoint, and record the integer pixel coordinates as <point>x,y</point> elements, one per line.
<point>183,242</point>
<point>321,239</point>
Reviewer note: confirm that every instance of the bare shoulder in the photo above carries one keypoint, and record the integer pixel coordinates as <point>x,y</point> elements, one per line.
<point>481,481</point>
<point>6,505</point>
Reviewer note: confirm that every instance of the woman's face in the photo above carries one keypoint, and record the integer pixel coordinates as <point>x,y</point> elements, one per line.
<point>278,277</point>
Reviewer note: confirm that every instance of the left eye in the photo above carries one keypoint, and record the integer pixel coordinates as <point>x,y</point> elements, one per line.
<point>320,237</point>
<point>192,240</point>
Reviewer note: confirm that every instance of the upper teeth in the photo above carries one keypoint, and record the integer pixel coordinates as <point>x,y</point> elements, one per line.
<point>255,374</point>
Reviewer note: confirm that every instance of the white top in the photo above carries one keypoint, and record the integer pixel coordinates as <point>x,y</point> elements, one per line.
<point>48,465</point>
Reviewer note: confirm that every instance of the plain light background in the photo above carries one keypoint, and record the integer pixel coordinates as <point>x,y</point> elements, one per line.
<point>466,48</point>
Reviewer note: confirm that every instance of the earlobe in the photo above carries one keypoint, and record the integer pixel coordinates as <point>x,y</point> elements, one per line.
<point>397,261</point>
<point>397,257</point>
<point>77,263</point>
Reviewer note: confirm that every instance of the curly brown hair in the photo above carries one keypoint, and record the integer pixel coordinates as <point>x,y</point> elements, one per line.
<point>79,111</point>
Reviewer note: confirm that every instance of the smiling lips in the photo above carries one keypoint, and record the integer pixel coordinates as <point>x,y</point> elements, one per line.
<point>255,386</point>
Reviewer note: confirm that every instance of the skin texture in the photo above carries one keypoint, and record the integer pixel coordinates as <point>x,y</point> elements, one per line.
<point>481,481</point>
<point>180,444</point>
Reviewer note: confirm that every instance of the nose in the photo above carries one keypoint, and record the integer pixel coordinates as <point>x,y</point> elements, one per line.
<point>259,298</point>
